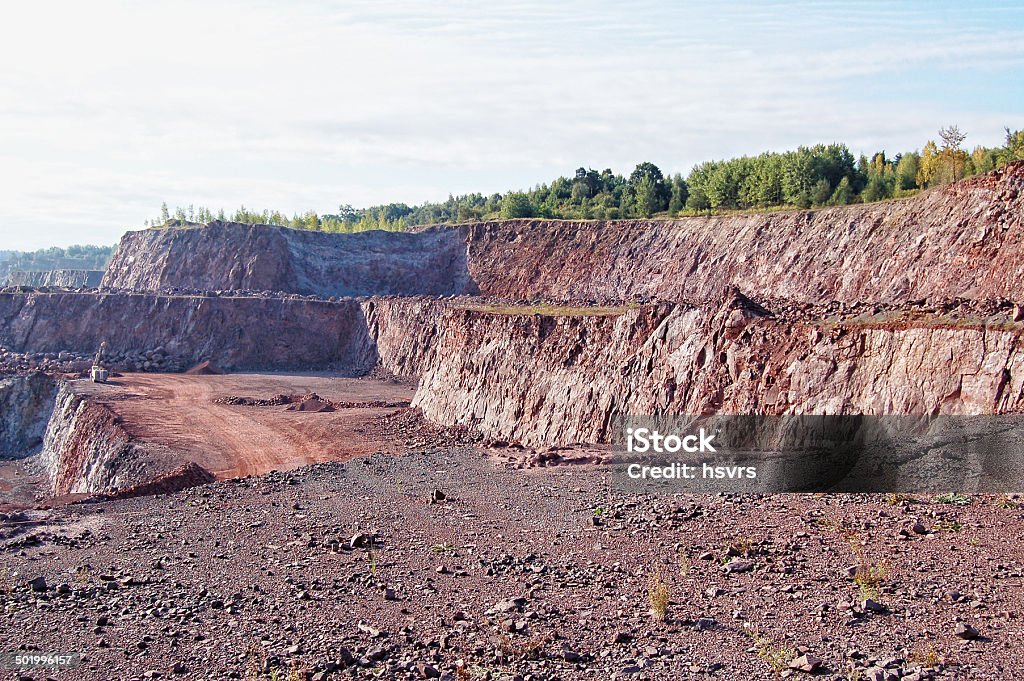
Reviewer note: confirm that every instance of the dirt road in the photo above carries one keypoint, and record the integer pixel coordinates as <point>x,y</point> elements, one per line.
<point>175,418</point>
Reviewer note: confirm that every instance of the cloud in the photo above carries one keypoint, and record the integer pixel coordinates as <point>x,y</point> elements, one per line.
<point>108,108</point>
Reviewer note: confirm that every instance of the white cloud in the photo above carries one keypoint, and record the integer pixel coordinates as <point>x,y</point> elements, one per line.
<point>108,108</point>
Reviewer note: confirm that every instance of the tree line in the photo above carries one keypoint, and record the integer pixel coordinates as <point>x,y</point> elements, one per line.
<point>815,176</point>
<point>55,258</point>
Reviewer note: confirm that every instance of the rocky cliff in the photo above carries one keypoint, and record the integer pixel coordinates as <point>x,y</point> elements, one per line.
<point>26,403</point>
<point>59,278</point>
<point>85,450</point>
<point>964,239</point>
<point>960,240</point>
<point>230,256</point>
<point>232,332</point>
<point>562,379</point>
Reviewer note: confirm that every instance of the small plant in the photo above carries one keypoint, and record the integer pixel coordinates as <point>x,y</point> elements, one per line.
<point>1006,502</point>
<point>83,574</point>
<point>927,657</point>
<point>869,578</point>
<point>869,575</point>
<point>371,556</point>
<point>947,526</point>
<point>775,655</point>
<point>741,546</point>
<point>446,547</point>
<point>684,563</point>
<point>895,499</point>
<point>658,596</point>
<point>523,649</point>
<point>256,657</point>
<point>954,499</point>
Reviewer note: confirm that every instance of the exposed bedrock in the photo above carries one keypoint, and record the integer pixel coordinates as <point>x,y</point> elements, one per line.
<point>61,278</point>
<point>232,256</point>
<point>86,451</point>
<point>235,333</point>
<point>561,380</point>
<point>961,240</point>
<point>26,403</point>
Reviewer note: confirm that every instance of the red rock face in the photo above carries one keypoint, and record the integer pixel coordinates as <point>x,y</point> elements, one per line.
<point>963,240</point>
<point>270,333</point>
<point>960,240</point>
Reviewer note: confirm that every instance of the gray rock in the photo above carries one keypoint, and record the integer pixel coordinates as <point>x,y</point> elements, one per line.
<point>739,565</point>
<point>966,632</point>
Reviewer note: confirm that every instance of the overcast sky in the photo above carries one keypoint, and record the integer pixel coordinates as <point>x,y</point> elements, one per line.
<point>108,108</point>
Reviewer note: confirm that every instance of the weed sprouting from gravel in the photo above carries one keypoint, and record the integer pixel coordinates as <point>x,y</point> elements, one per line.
<point>868,575</point>
<point>870,578</point>
<point>741,546</point>
<point>953,499</point>
<point>83,574</point>
<point>525,649</point>
<point>371,557</point>
<point>927,657</point>
<point>774,654</point>
<point>658,595</point>
<point>256,665</point>
<point>685,567</point>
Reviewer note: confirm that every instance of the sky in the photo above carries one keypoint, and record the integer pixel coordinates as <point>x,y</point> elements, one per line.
<point>109,108</point>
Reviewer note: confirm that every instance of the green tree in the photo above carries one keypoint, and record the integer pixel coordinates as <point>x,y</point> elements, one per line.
<point>1013,149</point>
<point>679,194</point>
<point>843,194</point>
<point>516,205</point>
<point>649,191</point>
<point>954,158</point>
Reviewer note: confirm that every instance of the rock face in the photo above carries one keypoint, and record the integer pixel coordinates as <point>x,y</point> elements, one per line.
<point>59,278</point>
<point>233,333</point>
<point>85,450</point>
<point>962,240</point>
<point>561,380</point>
<point>748,314</point>
<point>26,403</point>
<point>230,256</point>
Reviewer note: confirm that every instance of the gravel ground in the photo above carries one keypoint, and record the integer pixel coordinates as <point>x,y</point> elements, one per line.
<point>478,570</point>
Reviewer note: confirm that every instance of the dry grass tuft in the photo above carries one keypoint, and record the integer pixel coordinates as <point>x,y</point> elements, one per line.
<point>658,596</point>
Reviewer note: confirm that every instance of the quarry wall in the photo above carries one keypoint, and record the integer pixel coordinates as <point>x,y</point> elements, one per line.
<point>235,333</point>
<point>26,403</point>
<point>231,256</point>
<point>62,278</point>
<point>85,450</point>
<point>543,381</point>
<point>960,240</point>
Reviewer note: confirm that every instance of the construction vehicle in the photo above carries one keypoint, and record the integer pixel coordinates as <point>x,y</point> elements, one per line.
<point>99,373</point>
